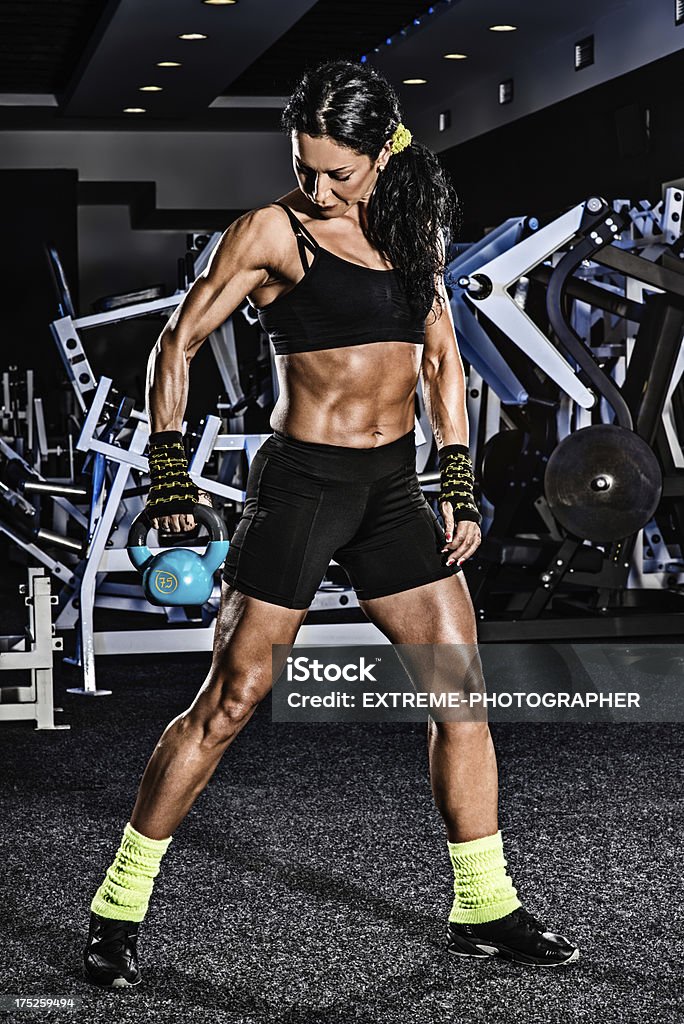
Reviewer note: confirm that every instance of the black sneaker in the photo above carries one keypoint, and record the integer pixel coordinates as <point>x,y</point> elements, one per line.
<point>110,956</point>
<point>518,937</point>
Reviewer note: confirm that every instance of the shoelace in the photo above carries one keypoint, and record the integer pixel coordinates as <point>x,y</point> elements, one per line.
<point>527,919</point>
<point>115,938</point>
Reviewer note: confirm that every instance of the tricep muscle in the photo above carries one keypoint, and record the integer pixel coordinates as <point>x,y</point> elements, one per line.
<point>237,266</point>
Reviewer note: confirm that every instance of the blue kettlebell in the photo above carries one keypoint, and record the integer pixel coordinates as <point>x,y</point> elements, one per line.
<point>180,575</point>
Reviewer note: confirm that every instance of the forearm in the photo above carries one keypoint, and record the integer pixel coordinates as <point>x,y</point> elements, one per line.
<point>444,393</point>
<point>167,384</point>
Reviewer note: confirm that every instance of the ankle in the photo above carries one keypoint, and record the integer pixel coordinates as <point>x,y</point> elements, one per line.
<point>125,892</point>
<point>483,890</point>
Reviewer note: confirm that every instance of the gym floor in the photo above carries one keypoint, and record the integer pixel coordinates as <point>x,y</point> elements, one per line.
<point>310,883</point>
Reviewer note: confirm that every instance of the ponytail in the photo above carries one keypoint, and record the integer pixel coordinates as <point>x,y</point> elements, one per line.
<point>413,213</point>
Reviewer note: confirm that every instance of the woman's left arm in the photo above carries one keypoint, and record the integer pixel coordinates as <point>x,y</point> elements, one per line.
<point>444,392</point>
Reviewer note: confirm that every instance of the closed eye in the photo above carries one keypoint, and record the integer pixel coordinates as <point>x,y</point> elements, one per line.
<point>304,170</point>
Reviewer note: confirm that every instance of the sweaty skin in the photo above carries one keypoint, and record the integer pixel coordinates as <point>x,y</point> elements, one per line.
<point>315,402</point>
<point>362,397</point>
<point>357,397</point>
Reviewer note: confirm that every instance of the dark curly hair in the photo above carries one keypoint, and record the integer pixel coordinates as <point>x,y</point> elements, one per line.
<point>413,200</point>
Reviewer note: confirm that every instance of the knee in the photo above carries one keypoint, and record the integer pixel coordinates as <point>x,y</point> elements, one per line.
<point>228,718</point>
<point>226,712</point>
<point>461,733</point>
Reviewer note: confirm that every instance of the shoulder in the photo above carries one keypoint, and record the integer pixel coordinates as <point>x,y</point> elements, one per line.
<point>255,239</point>
<point>257,225</point>
<point>273,213</point>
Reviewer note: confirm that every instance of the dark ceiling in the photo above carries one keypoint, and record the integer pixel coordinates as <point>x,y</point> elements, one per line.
<point>329,30</point>
<point>42,40</point>
<point>42,43</point>
<point>95,64</point>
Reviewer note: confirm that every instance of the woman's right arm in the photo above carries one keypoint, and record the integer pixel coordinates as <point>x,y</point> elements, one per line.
<point>240,263</point>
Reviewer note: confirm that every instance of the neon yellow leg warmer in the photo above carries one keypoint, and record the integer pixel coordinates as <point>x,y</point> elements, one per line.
<point>483,890</point>
<point>125,892</point>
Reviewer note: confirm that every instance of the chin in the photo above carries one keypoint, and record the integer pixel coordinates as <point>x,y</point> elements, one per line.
<point>338,210</point>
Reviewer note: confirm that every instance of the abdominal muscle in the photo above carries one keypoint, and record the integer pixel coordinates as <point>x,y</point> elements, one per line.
<point>356,397</point>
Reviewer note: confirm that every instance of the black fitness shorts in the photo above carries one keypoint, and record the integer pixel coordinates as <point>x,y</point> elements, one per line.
<point>309,503</point>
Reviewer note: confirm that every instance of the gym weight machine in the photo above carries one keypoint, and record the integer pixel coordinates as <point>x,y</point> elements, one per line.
<point>543,398</point>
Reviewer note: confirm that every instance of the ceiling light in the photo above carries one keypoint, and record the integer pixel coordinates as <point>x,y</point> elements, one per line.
<point>150,88</point>
<point>455,56</point>
<point>193,35</point>
<point>168,64</point>
<point>218,3</point>
<point>134,110</point>
<point>415,81</point>
<point>503,28</point>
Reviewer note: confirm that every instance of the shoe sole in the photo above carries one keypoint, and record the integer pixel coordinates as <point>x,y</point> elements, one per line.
<point>122,983</point>
<point>506,954</point>
<point>115,983</point>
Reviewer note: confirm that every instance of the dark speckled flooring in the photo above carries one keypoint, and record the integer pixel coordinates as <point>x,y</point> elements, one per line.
<point>310,883</point>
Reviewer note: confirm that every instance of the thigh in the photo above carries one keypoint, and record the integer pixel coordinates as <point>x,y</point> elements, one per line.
<point>437,613</point>
<point>244,663</point>
<point>436,629</point>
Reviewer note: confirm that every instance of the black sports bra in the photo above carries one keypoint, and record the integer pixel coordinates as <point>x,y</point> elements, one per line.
<point>338,303</point>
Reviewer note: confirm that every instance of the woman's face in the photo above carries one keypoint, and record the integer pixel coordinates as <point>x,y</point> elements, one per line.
<point>331,176</point>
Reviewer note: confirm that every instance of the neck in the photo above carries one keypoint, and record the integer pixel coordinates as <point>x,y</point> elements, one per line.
<point>363,215</point>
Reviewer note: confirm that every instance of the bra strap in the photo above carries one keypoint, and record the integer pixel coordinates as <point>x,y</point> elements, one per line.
<point>303,236</point>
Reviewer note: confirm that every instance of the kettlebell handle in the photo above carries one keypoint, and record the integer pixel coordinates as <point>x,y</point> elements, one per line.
<point>204,514</point>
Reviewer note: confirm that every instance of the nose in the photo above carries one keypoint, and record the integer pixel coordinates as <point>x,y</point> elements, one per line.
<point>320,190</point>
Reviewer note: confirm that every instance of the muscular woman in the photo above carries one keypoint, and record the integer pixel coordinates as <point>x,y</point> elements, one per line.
<point>347,274</point>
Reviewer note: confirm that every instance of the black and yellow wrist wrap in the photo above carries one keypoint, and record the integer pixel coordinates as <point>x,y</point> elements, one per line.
<point>457,482</point>
<point>171,491</point>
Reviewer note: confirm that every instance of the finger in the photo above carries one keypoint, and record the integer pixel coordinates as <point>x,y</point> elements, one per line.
<point>448,517</point>
<point>467,552</point>
<point>461,539</point>
<point>464,558</point>
<point>464,543</point>
<point>459,558</point>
